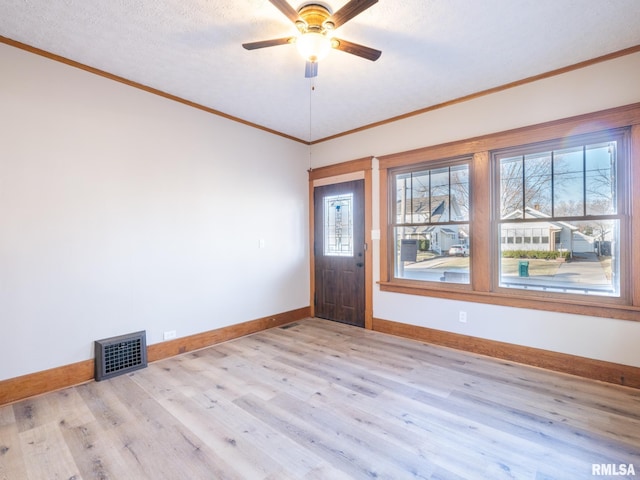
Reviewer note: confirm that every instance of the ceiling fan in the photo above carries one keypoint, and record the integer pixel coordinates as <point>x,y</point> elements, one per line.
<point>316,24</point>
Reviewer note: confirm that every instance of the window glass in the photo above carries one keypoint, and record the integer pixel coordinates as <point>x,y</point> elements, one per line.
<point>431,229</point>
<point>559,228</point>
<point>537,178</point>
<point>338,225</point>
<point>600,169</point>
<point>460,192</point>
<point>568,182</point>
<point>511,187</point>
<point>552,213</point>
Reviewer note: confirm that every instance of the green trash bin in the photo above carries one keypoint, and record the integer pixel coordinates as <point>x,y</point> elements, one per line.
<point>523,268</point>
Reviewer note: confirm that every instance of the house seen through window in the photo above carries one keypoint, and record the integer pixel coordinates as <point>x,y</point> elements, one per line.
<point>431,223</point>
<point>560,217</point>
<point>539,217</point>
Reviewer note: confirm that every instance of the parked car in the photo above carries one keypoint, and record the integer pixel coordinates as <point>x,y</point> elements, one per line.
<point>459,251</point>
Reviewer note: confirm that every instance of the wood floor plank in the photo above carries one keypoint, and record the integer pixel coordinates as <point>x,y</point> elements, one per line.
<point>12,461</point>
<point>405,391</point>
<point>347,456</point>
<point>321,400</point>
<point>463,445</point>
<point>558,407</point>
<point>359,440</point>
<point>255,452</point>
<point>46,453</point>
<point>106,407</point>
<point>163,445</point>
<point>97,453</point>
<point>396,426</point>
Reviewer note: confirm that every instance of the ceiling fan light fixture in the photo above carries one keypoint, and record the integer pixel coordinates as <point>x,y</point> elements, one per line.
<point>316,23</point>
<point>313,46</point>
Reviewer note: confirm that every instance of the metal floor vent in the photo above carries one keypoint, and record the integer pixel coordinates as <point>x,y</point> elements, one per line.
<point>122,354</point>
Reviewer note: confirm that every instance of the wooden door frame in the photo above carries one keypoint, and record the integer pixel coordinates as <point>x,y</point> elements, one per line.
<point>343,172</point>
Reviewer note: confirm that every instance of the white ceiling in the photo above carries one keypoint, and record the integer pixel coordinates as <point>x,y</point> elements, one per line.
<point>434,51</point>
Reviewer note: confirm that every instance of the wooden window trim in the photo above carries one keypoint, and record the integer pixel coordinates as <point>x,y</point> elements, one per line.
<point>483,266</point>
<point>625,214</point>
<point>446,163</point>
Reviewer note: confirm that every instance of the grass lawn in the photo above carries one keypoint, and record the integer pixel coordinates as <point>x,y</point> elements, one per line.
<point>536,266</point>
<point>424,256</point>
<point>509,265</point>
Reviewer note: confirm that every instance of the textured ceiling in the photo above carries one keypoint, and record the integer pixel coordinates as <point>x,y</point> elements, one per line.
<point>434,51</point>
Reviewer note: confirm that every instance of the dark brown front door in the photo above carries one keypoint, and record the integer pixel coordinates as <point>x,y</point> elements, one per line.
<point>339,252</point>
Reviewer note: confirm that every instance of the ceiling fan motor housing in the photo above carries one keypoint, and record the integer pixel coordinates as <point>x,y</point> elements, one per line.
<point>315,17</point>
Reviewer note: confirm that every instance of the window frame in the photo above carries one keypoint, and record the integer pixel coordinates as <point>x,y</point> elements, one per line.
<point>483,273</point>
<point>392,224</point>
<point>623,194</point>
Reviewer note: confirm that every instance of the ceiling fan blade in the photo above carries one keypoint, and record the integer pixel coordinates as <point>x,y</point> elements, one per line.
<point>287,9</point>
<point>268,43</point>
<point>350,10</point>
<point>311,69</point>
<point>355,49</point>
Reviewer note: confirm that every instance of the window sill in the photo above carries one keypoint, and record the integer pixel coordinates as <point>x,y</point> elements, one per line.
<point>564,305</point>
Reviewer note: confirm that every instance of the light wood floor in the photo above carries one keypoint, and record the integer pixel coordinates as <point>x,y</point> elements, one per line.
<point>321,400</point>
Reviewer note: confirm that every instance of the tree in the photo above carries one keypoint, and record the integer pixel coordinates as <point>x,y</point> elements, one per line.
<point>525,182</point>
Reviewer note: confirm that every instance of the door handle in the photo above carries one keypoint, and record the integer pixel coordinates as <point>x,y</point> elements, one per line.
<point>360,264</point>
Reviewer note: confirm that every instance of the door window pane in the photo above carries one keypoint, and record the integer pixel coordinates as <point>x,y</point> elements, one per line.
<point>338,225</point>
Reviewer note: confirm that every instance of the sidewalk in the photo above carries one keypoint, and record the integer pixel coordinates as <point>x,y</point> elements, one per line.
<point>584,268</point>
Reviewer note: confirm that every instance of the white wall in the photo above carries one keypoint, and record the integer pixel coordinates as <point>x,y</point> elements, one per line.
<point>600,86</point>
<point>597,87</point>
<point>123,211</point>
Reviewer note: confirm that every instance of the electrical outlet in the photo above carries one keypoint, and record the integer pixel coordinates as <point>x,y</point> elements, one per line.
<point>462,317</point>
<point>170,335</point>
